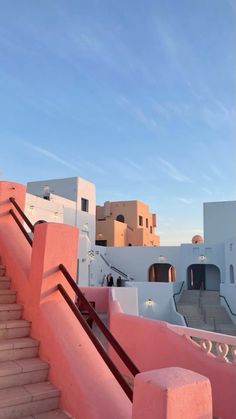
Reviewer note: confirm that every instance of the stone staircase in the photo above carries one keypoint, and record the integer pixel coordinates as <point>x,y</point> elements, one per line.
<point>202,310</point>
<point>24,390</point>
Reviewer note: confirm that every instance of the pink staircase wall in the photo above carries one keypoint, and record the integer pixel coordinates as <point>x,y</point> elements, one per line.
<point>88,389</point>
<point>152,345</point>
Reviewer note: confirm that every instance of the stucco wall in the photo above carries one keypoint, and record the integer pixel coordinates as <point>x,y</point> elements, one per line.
<point>219,221</point>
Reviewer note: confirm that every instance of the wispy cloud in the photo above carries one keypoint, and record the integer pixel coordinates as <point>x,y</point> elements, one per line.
<point>137,113</point>
<point>133,164</point>
<point>51,155</point>
<point>186,201</point>
<point>206,190</point>
<point>217,171</point>
<point>173,172</point>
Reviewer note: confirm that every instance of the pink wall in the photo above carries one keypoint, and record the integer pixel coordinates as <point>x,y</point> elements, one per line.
<point>98,294</point>
<point>152,345</point>
<point>88,389</point>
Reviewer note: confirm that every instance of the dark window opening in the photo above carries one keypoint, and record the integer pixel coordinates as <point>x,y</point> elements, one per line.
<point>147,222</point>
<point>84,205</point>
<point>120,218</point>
<point>101,242</point>
<point>140,220</point>
<point>151,229</point>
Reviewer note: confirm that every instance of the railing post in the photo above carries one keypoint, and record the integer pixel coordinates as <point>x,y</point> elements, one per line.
<point>8,190</point>
<point>172,393</point>
<point>53,244</point>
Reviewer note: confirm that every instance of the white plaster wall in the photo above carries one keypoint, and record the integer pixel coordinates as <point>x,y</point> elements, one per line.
<point>228,290</point>
<point>66,188</point>
<point>219,221</point>
<point>136,260</point>
<point>162,296</point>
<point>128,299</point>
<point>190,253</point>
<point>87,190</point>
<point>37,208</point>
<point>98,267</point>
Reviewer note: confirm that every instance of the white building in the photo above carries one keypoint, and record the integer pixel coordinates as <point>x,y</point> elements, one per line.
<point>156,272</point>
<point>71,201</point>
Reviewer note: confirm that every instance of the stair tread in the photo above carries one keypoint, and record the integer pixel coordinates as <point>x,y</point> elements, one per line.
<point>10,306</point>
<point>24,394</point>
<point>4,278</point>
<point>22,366</point>
<point>9,324</point>
<point>53,414</point>
<point>17,343</point>
<point>7,292</point>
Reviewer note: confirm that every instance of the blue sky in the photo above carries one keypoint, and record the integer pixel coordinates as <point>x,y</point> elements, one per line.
<point>136,96</point>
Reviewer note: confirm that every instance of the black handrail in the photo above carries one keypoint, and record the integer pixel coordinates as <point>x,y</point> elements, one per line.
<point>107,263</point>
<point>174,295</point>
<point>113,268</point>
<point>111,339</point>
<point>222,296</point>
<point>119,377</point>
<point>18,222</point>
<point>25,218</point>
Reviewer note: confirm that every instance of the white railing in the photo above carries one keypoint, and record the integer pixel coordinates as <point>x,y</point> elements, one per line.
<point>222,346</point>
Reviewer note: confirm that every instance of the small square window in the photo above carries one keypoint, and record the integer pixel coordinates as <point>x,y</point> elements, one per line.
<point>84,205</point>
<point>140,218</point>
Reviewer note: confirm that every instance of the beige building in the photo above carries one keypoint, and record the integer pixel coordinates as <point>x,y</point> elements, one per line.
<point>125,223</point>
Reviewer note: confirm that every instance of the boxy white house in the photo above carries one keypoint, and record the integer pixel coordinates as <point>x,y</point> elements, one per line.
<point>71,201</point>
<point>156,272</point>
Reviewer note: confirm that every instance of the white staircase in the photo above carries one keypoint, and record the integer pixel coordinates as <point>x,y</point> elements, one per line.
<point>24,390</point>
<point>202,310</point>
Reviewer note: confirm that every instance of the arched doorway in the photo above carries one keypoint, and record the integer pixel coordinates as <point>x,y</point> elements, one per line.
<point>231,274</point>
<point>203,276</point>
<point>161,272</point>
<point>120,218</point>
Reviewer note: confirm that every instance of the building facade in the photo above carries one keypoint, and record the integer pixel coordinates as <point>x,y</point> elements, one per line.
<point>125,223</point>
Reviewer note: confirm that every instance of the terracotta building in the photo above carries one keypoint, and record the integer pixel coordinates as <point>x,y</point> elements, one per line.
<point>125,223</point>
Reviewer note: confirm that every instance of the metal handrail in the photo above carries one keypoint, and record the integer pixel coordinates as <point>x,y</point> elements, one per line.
<point>111,339</point>
<point>174,295</point>
<point>18,222</point>
<point>113,268</point>
<point>231,312</point>
<point>119,377</point>
<point>25,218</point>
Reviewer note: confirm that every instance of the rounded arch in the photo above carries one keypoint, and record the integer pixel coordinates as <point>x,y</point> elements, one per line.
<point>39,222</point>
<point>203,276</point>
<point>231,274</point>
<point>161,272</point>
<point>120,218</point>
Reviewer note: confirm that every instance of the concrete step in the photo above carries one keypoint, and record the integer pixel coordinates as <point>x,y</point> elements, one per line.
<point>5,283</point>
<point>2,270</point>
<point>7,296</point>
<point>53,414</point>
<point>28,400</point>
<point>205,293</point>
<point>10,311</point>
<point>11,329</point>
<point>21,372</point>
<point>18,348</point>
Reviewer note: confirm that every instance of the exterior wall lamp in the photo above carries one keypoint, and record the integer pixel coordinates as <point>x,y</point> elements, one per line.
<point>202,258</point>
<point>161,258</point>
<point>149,302</point>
